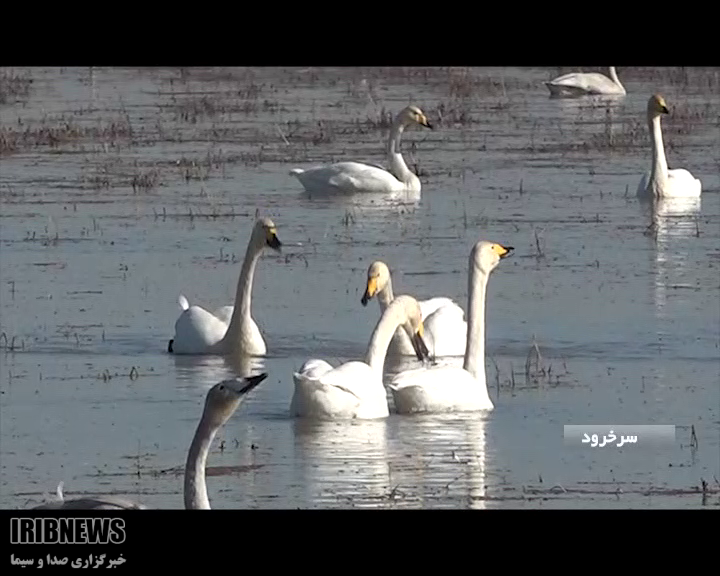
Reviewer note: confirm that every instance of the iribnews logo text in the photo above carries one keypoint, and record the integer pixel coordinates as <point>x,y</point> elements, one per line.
<point>67,530</point>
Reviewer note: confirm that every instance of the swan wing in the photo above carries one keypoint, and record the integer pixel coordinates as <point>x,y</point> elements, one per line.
<point>448,330</point>
<point>584,82</point>
<point>224,314</point>
<point>428,307</point>
<point>349,177</point>
<point>196,330</point>
<point>351,390</point>
<point>442,388</point>
<point>683,183</point>
<point>94,503</point>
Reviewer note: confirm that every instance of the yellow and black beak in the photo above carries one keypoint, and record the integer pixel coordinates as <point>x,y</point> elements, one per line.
<point>273,241</point>
<point>370,291</point>
<point>664,109</point>
<point>503,251</point>
<point>425,122</point>
<point>421,349</point>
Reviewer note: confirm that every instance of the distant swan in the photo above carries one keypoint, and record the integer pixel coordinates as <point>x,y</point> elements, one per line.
<point>582,83</point>
<point>661,182</point>
<point>444,321</point>
<point>446,388</point>
<point>351,177</point>
<point>229,329</point>
<point>355,389</point>
<point>221,402</point>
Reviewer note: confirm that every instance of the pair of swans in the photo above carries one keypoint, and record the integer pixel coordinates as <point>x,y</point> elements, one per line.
<point>230,329</point>
<point>661,182</point>
<point>356,390</point>
<point>578,84</point>
<point>221,402</point>
<point>353,177</point>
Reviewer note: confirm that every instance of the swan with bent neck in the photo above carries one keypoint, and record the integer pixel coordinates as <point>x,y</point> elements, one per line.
<point>355,389</point>
<point>444,321</point>
<point>585,83</point>
<point>661,182</point>
<point>221,402</point>
<point>446,388</point>
<point>228,330</point>
<point>352,177</point>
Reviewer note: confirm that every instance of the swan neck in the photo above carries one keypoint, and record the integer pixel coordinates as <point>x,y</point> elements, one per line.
<point>380,339</point>
<point>396,162</point>
<point>386,296</point>
<point>243,296</point>
<point>475,349</point>
<point>614,77</point>
<point>658,174</point>
<point>196,497</point>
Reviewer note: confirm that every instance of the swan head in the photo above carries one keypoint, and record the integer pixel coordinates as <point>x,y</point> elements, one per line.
<point>265,234</point>
<point>413,114</point>
<point>378,277</point>
<point>224,398</point>
<point>413,324</point>
<point>486,255</point>
<point>656,105</point>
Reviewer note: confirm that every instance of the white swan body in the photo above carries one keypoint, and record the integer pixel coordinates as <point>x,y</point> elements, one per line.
<point>445,388</point>
<point>221,402</point>
<point>353,177</point>
<point>583,83</point>
<point>444,321</point>
<point>230,329</point>
<point>355,389</point>
<point>661,182</point>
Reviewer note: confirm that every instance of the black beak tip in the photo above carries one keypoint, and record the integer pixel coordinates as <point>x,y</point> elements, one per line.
<point>428,125</point>
<point>170,345</point>
<point>275,243</point>
<point>253,381</point>
<point>510,250</point>
<point>364,300</point>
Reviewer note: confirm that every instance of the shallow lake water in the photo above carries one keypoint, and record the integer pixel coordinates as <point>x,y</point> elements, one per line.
<point>122,188</point>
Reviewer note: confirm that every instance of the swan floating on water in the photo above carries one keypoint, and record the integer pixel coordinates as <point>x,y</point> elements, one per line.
<point>355,389</point>
<point>661,182</point>
<point>444,321</point>
<point>446,388</point>
<point>221,402</point>
<point>583,83</point>
<point>230,329</point>
<point>352,177</point>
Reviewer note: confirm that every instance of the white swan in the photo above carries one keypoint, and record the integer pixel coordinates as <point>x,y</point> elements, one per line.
<point>221,402</point>
<point>582,83</point>
<point>229,329</point>
<point>444,321</point>
<point>445,388</point>
<point>355,389</point>
<point>661,182</point>
<point>351,177</point>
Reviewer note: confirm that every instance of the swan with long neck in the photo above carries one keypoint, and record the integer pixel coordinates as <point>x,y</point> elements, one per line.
<point>355,389</point>
<point>586,83</point>
<point>446,388</point>
<point>221,402</point>
<point>352,177</point>
<point>228,329</point>
<point>444,321</point>
<point>661,182</point>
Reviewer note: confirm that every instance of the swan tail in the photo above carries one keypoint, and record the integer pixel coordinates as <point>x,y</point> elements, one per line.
<point>296,171</point>
<point>184,304</point>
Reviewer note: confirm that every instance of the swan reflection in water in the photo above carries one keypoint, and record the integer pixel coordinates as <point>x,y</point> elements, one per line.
<point>439,460</point>
<point>672,220</point>
<point>207,370</point>
<point>345,463</point>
